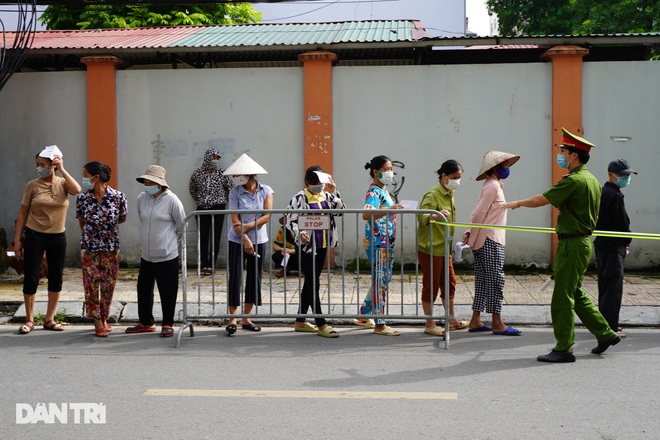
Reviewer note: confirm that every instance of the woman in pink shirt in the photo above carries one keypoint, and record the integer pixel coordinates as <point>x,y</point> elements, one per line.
<point>488,244</point>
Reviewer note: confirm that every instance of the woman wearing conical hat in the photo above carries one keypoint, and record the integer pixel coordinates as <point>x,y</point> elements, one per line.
<point>247,238</point>
<point>488,244</point>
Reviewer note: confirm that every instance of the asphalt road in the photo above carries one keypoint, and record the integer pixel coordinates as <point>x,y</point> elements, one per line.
<point>279,384</point>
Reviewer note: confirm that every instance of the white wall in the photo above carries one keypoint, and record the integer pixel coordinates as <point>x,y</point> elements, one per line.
<point>424,115</point>
<point>170,118</point>
<point>419,115</point>
<point>36,110</point>
<point>623,99</point>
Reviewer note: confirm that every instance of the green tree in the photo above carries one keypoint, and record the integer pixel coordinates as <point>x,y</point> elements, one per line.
<point>123,16</point>
<point>555,17</point>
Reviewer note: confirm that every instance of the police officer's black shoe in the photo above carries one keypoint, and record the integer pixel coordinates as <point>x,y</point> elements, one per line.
<point>557,356</point>
<point>602,346</point>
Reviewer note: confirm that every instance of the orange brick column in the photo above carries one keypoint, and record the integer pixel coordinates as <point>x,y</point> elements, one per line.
<point>317,80</point>
<point>102,110</point>
<point>566,105</point>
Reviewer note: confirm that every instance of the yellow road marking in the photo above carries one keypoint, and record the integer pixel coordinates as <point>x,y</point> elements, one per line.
<point>301,394</point>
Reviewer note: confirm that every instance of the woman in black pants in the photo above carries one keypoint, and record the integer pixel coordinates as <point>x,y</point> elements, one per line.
<point>314,244</point>
<point>43,215</point>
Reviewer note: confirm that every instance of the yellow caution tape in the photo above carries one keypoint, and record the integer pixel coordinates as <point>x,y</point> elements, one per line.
<point>639,235</point>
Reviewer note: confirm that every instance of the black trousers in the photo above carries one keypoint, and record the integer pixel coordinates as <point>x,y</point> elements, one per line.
<point>292,264</point>
<point>309,296</point>
<point>205,235</point>
<point>36,243</point>
<point>166,276</point>
<point>610,283</point>
<point>237,262</point>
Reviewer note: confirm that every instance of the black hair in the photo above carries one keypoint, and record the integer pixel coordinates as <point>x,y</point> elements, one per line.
<point>100,169</point>
<point>311,177</point>
<point>449,167</point>
<point>583,156</point>
<point>47,158</point>
<point>376,164</point>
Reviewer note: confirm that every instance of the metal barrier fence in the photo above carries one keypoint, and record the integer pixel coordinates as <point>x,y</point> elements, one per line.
<point>205,298</point>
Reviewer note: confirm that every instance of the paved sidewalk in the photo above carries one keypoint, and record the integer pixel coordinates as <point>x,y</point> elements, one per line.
<point>525,301</point>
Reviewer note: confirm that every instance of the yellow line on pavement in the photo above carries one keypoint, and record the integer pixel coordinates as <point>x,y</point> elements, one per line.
<point>301,394</point>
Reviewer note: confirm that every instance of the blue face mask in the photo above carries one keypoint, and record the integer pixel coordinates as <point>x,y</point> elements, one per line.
<point>502,172</point>
<point>86,184</point>
<point>623,181</point>
<point>151,190</point>
<point>561,161</point>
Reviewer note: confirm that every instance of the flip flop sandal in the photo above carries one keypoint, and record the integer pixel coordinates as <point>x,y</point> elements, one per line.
<point>53,326</point>
<point>435,331</point>
<point>101,333</point>
<point>328,332</point>
<point>166,331</point>
<point>108,327</point>
<point>251,326</point>
<point>387,331</point>
<point>510,331</point>
<point>231,329</point>
<point>26,328</point>
<point>461,325</point>
<point>483,328</point>
<point>370,323</point>
<point>307,328</point>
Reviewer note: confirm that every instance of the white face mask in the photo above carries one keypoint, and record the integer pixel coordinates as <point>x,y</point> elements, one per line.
<point>216,163</point>
<point>453,184</point>
<point>385,177</point>
<point>240,180</point>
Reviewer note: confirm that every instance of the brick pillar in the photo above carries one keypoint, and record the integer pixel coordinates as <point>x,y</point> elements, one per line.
<point>566,106</point>
<point>317,79</point>
<point>102,110</point>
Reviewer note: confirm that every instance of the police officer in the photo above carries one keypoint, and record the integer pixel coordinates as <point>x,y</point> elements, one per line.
<point>577,196</point>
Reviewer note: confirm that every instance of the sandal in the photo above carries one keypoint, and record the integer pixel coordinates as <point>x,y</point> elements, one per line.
<point>26,328</point>
<point>387,331</point>
<point>101,333</point>
<point>108,327</point>
<point>328,332</point>
<point>307,328</point>
<point>206,271</point>
<point>251,326</point>
<point>53,326</point>
<point>435,331</point>
<point>231,329</point>
<point>166,331</point>
<point>368,323</point>
<point>461,325</point>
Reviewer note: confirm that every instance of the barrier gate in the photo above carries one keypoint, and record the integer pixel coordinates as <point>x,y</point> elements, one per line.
<point>341,290</point>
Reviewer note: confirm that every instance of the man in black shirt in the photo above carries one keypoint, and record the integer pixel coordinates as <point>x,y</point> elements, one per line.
<point>610,251</point>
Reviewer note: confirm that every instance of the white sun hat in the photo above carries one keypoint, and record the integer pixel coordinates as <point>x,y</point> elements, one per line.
<point>495,158</point>
<point>244,166</point>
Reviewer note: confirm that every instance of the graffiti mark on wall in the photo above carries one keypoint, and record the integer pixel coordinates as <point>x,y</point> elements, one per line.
<point>399,180</point>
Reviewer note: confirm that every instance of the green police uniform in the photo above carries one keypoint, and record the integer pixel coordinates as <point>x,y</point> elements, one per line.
<point>577,196</point>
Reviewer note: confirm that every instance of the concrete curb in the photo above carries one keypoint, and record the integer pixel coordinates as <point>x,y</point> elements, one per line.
<point>512,314</point>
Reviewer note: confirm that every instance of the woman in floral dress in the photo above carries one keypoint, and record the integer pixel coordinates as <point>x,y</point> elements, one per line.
<point>379,236</point>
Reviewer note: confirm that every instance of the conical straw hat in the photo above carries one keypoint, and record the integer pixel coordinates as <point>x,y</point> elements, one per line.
<point>244,166</point>
<point>495,158</point>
